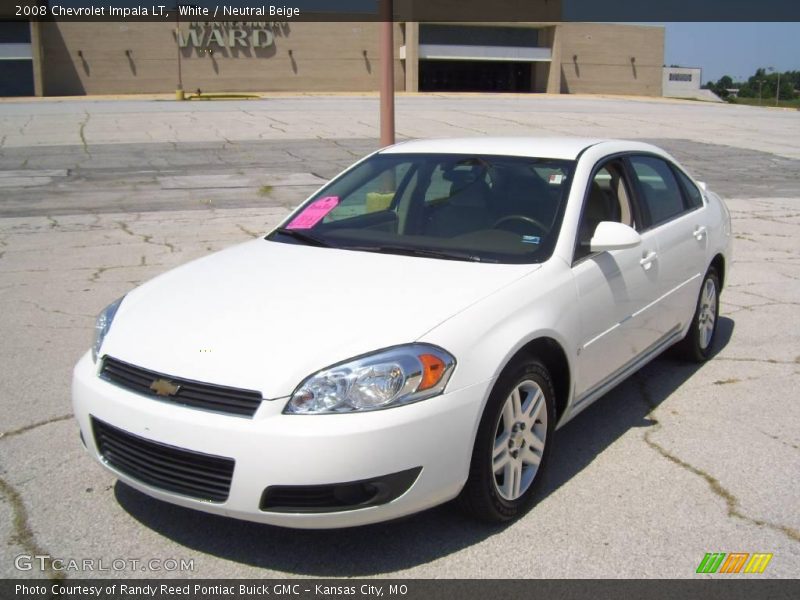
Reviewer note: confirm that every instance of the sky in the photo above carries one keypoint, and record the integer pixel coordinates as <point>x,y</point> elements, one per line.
<point>735,49</point>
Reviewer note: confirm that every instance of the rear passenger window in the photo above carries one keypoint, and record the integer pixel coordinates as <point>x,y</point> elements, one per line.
<point>662,196</point>
<point>693,195</point>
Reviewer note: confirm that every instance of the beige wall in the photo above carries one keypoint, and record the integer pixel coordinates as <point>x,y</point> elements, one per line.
<point>411,63</point>
<point>596,59</point>
<point>325,57</point>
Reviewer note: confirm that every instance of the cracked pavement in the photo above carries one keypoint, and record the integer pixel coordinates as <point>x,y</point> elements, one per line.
<point>678,461</point>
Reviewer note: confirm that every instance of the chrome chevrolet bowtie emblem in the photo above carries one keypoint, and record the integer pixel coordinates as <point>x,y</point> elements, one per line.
<point>162,387</point>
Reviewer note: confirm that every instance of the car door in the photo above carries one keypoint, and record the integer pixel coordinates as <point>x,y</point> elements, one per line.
<point>614,288</point>
<point>673,210</point>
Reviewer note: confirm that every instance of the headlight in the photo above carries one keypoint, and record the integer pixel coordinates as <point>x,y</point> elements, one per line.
<point>103,324</point>
<point>384,379</point>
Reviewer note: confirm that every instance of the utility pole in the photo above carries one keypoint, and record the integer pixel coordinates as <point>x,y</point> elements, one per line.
<point>179,88</point>
<point>778,88</point>
<point>387,73</point>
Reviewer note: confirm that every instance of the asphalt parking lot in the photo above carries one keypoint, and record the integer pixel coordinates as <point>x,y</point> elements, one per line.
<point>97,196</point>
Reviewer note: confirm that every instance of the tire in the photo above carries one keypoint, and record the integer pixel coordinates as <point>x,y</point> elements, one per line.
<point>515,432</point>
<point>698,345</point>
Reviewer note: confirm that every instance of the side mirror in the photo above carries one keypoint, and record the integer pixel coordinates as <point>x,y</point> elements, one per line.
<point>613,236</point>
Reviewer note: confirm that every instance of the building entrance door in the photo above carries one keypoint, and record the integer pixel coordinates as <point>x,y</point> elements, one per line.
<point>16,60</point>
<point>474,76</point>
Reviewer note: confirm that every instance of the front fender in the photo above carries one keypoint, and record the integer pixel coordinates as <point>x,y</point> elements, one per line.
<point>489,334</point>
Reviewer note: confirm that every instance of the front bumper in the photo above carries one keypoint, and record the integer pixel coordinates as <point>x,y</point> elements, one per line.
<point>273,449</point>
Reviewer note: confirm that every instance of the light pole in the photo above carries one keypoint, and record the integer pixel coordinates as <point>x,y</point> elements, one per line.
<point>179,89</point>
<point>778,87</point>
<point>387,73</point>
<point>760,83</point>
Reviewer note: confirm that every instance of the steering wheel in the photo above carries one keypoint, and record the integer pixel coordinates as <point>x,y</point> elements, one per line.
<point>542,230</point>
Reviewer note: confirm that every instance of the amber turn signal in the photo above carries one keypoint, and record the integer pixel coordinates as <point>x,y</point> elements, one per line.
<point>433,368</point>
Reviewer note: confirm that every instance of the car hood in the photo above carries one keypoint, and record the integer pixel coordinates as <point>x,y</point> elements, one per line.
<point>264,315</point>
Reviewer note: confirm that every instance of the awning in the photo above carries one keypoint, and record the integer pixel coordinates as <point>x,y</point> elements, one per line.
<point>481,53</point>
<point>15,52</point>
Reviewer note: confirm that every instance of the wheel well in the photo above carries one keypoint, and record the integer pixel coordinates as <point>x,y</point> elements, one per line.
<point>719,265</point>
<point>554,359</point>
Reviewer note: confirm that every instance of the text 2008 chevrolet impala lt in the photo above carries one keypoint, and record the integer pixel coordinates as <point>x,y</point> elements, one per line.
<point>415,332</point>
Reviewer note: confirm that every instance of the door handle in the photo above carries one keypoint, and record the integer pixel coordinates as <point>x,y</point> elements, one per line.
<point>648,259</point>
<point>700,232</point>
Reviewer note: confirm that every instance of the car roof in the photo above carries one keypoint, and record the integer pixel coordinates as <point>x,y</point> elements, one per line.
<point>565,148</point>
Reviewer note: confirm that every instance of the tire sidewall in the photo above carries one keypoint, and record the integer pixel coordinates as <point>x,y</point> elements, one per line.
<point>485,439</point>
<point>700,352</point>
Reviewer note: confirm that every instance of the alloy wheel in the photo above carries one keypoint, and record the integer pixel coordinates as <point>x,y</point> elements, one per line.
<point>519,441</point>
<point>708,313</point>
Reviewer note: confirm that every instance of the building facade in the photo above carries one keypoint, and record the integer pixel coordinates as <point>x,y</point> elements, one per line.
<point>680,82</point>
<point>76,58</point>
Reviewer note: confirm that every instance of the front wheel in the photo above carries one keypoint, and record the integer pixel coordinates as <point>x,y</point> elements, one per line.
<point>512,445</point>
<point>699,341</point>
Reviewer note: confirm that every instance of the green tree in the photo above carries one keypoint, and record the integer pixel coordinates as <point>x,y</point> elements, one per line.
<point>764,82</point>
<point>725,82</point>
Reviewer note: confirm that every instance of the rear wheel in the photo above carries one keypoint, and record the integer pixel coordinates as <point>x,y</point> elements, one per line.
<point>699,341</point>
<point>513,444</point>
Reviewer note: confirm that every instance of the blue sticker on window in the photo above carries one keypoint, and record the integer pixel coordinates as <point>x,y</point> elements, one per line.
<point>531,239</point>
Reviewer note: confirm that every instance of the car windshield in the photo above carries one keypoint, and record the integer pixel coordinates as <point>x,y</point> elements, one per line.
<point>479,208</point>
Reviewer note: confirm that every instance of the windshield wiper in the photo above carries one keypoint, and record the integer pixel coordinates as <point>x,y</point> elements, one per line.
<point>424,252</point>
<point>302,236</point>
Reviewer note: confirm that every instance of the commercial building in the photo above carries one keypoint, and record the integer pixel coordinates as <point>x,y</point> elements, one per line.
<point>685,82</point>
<point>75,58</point>
<point>681,81</point>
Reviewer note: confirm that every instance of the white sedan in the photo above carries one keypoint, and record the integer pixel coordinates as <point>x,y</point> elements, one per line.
<point>415,332</point>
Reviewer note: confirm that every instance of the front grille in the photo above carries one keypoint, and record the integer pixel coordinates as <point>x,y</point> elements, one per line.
<point>218,398</point>
<point>201,476</point>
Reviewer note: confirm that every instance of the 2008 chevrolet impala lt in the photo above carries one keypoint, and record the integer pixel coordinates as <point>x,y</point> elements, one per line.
<point>415,332</point>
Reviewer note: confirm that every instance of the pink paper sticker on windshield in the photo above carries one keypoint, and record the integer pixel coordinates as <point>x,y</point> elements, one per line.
<point>314,213</point>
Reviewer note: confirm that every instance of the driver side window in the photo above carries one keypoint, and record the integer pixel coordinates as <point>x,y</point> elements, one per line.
<point>607,199</point>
